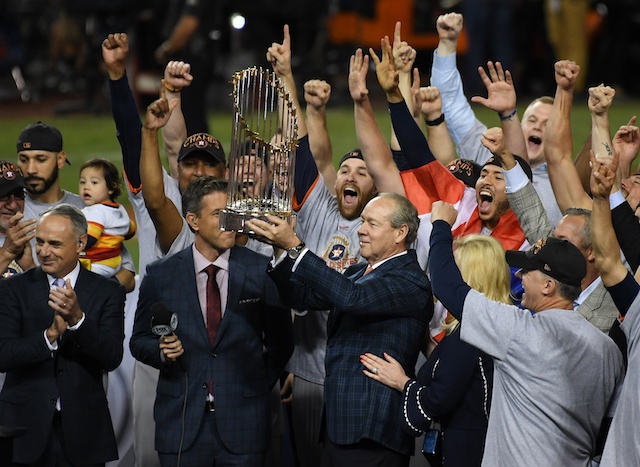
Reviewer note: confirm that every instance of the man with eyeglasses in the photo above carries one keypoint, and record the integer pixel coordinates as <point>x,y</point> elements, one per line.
<point>15,233</point>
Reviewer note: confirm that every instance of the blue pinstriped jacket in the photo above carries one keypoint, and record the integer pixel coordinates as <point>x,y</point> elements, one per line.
<point>385,311</point>
<point>253,344</point>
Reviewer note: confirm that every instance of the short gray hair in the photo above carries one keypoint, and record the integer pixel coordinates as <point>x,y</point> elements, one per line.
<point>71,212</point>
<point>568,292</point>
<point>405,213</point>
<point>585,232</point>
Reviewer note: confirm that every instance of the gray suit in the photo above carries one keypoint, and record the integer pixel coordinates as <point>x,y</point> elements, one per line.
<point>598,308</point>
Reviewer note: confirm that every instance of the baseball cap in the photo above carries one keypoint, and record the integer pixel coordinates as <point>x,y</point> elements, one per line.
<point>11,178</point>
<point>466,171</point>
<point>354,153</point>
<point>524,164</point>
<point>556,258</point>
<point>202,143</point>
<point>40,136</point>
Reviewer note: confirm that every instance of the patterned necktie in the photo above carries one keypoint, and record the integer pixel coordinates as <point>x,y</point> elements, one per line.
<point>214,309</point>
<point>58,282</point>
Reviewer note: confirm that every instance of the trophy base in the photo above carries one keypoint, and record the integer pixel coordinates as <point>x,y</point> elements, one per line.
<point>235,220</point>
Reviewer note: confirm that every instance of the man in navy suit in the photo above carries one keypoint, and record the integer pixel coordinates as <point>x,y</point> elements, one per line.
<point>386,304</point>
<point>212,401</point>
<point>61,328</point>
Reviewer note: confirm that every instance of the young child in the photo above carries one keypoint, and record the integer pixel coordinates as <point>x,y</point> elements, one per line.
<point>109,223</point>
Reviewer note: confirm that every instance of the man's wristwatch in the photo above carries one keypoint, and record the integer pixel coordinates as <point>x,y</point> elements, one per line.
<point>294,252</point>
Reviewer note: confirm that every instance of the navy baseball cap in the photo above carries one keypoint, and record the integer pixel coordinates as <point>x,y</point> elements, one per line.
<point>202,143</point>
<point>11,179</point>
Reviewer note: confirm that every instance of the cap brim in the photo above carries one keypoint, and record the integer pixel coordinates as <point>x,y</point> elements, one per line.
<point>10,188</point>
<point>192,151</point>
<point>519,259</point>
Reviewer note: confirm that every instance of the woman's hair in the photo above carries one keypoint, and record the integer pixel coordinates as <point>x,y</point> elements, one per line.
<point>110,174</point>
<point>482,263</point>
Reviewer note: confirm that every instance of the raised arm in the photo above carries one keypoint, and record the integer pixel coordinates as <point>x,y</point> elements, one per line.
<point>164,214</point>
<point>115,49</point>
<point>558,143</point>
<point>428,103</point>
<point>582,163</point>
<point>501,98</point>
<point>316,95</point>
<point>600,100</point>
<point>626,143</point>
<point>412,141</point>
<point>604,241</point>
<point>279,55</point>
<point>404,57</point>
<point>375,150</point>
<point>446,77</point>
<point>177,75</point>
<point>306,173</point>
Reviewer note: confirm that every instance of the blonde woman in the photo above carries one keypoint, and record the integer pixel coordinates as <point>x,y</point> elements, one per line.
<point>454,385</point>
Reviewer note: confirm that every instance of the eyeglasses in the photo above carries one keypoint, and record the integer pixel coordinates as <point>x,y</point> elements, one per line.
<point>18,195</point>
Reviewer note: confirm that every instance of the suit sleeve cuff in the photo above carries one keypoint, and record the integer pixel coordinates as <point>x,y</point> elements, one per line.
<point>515,178</point>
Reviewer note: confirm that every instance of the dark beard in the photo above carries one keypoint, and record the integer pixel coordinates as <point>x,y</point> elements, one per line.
<point>48,183</point>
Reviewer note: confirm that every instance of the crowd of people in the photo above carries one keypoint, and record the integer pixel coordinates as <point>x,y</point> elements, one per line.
<point>501,255</point>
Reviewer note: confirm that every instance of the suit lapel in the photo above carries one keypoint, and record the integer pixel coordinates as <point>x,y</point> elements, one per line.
<point>354,274</point>
<point>82,288</point>
<point>237,272</point>
<point>185,271</point>
<point>41,296</point>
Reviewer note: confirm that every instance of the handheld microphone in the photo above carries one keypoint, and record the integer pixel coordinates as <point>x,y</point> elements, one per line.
<point>164,323</point>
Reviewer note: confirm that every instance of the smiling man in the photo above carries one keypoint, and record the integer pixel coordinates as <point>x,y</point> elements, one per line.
<point>15,233</point>
<point>62,327</point>
<point>385,303</point>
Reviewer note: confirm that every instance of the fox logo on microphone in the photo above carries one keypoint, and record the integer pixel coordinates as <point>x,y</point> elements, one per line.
<point>163,322</point>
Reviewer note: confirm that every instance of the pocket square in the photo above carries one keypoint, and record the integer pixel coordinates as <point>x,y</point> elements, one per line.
<point>249,300</point>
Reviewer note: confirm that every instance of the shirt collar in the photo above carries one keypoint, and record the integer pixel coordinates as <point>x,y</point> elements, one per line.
<point>72,276</point>
<point>586,292</point>
<point>379,263</point>
<point>200,262</point>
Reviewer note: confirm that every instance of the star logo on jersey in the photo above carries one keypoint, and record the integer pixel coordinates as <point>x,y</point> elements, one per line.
<point>337,252</point>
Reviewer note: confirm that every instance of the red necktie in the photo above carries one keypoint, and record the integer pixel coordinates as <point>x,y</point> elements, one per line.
<point>214,310</point>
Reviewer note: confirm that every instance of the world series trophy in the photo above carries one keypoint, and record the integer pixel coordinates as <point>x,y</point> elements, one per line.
<point>263,149</point>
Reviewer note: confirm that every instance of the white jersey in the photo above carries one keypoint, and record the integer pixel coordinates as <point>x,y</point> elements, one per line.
<point>145,228</point>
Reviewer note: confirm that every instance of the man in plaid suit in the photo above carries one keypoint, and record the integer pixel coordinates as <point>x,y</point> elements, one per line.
<point>212,401</point>
<point>383,305</point>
